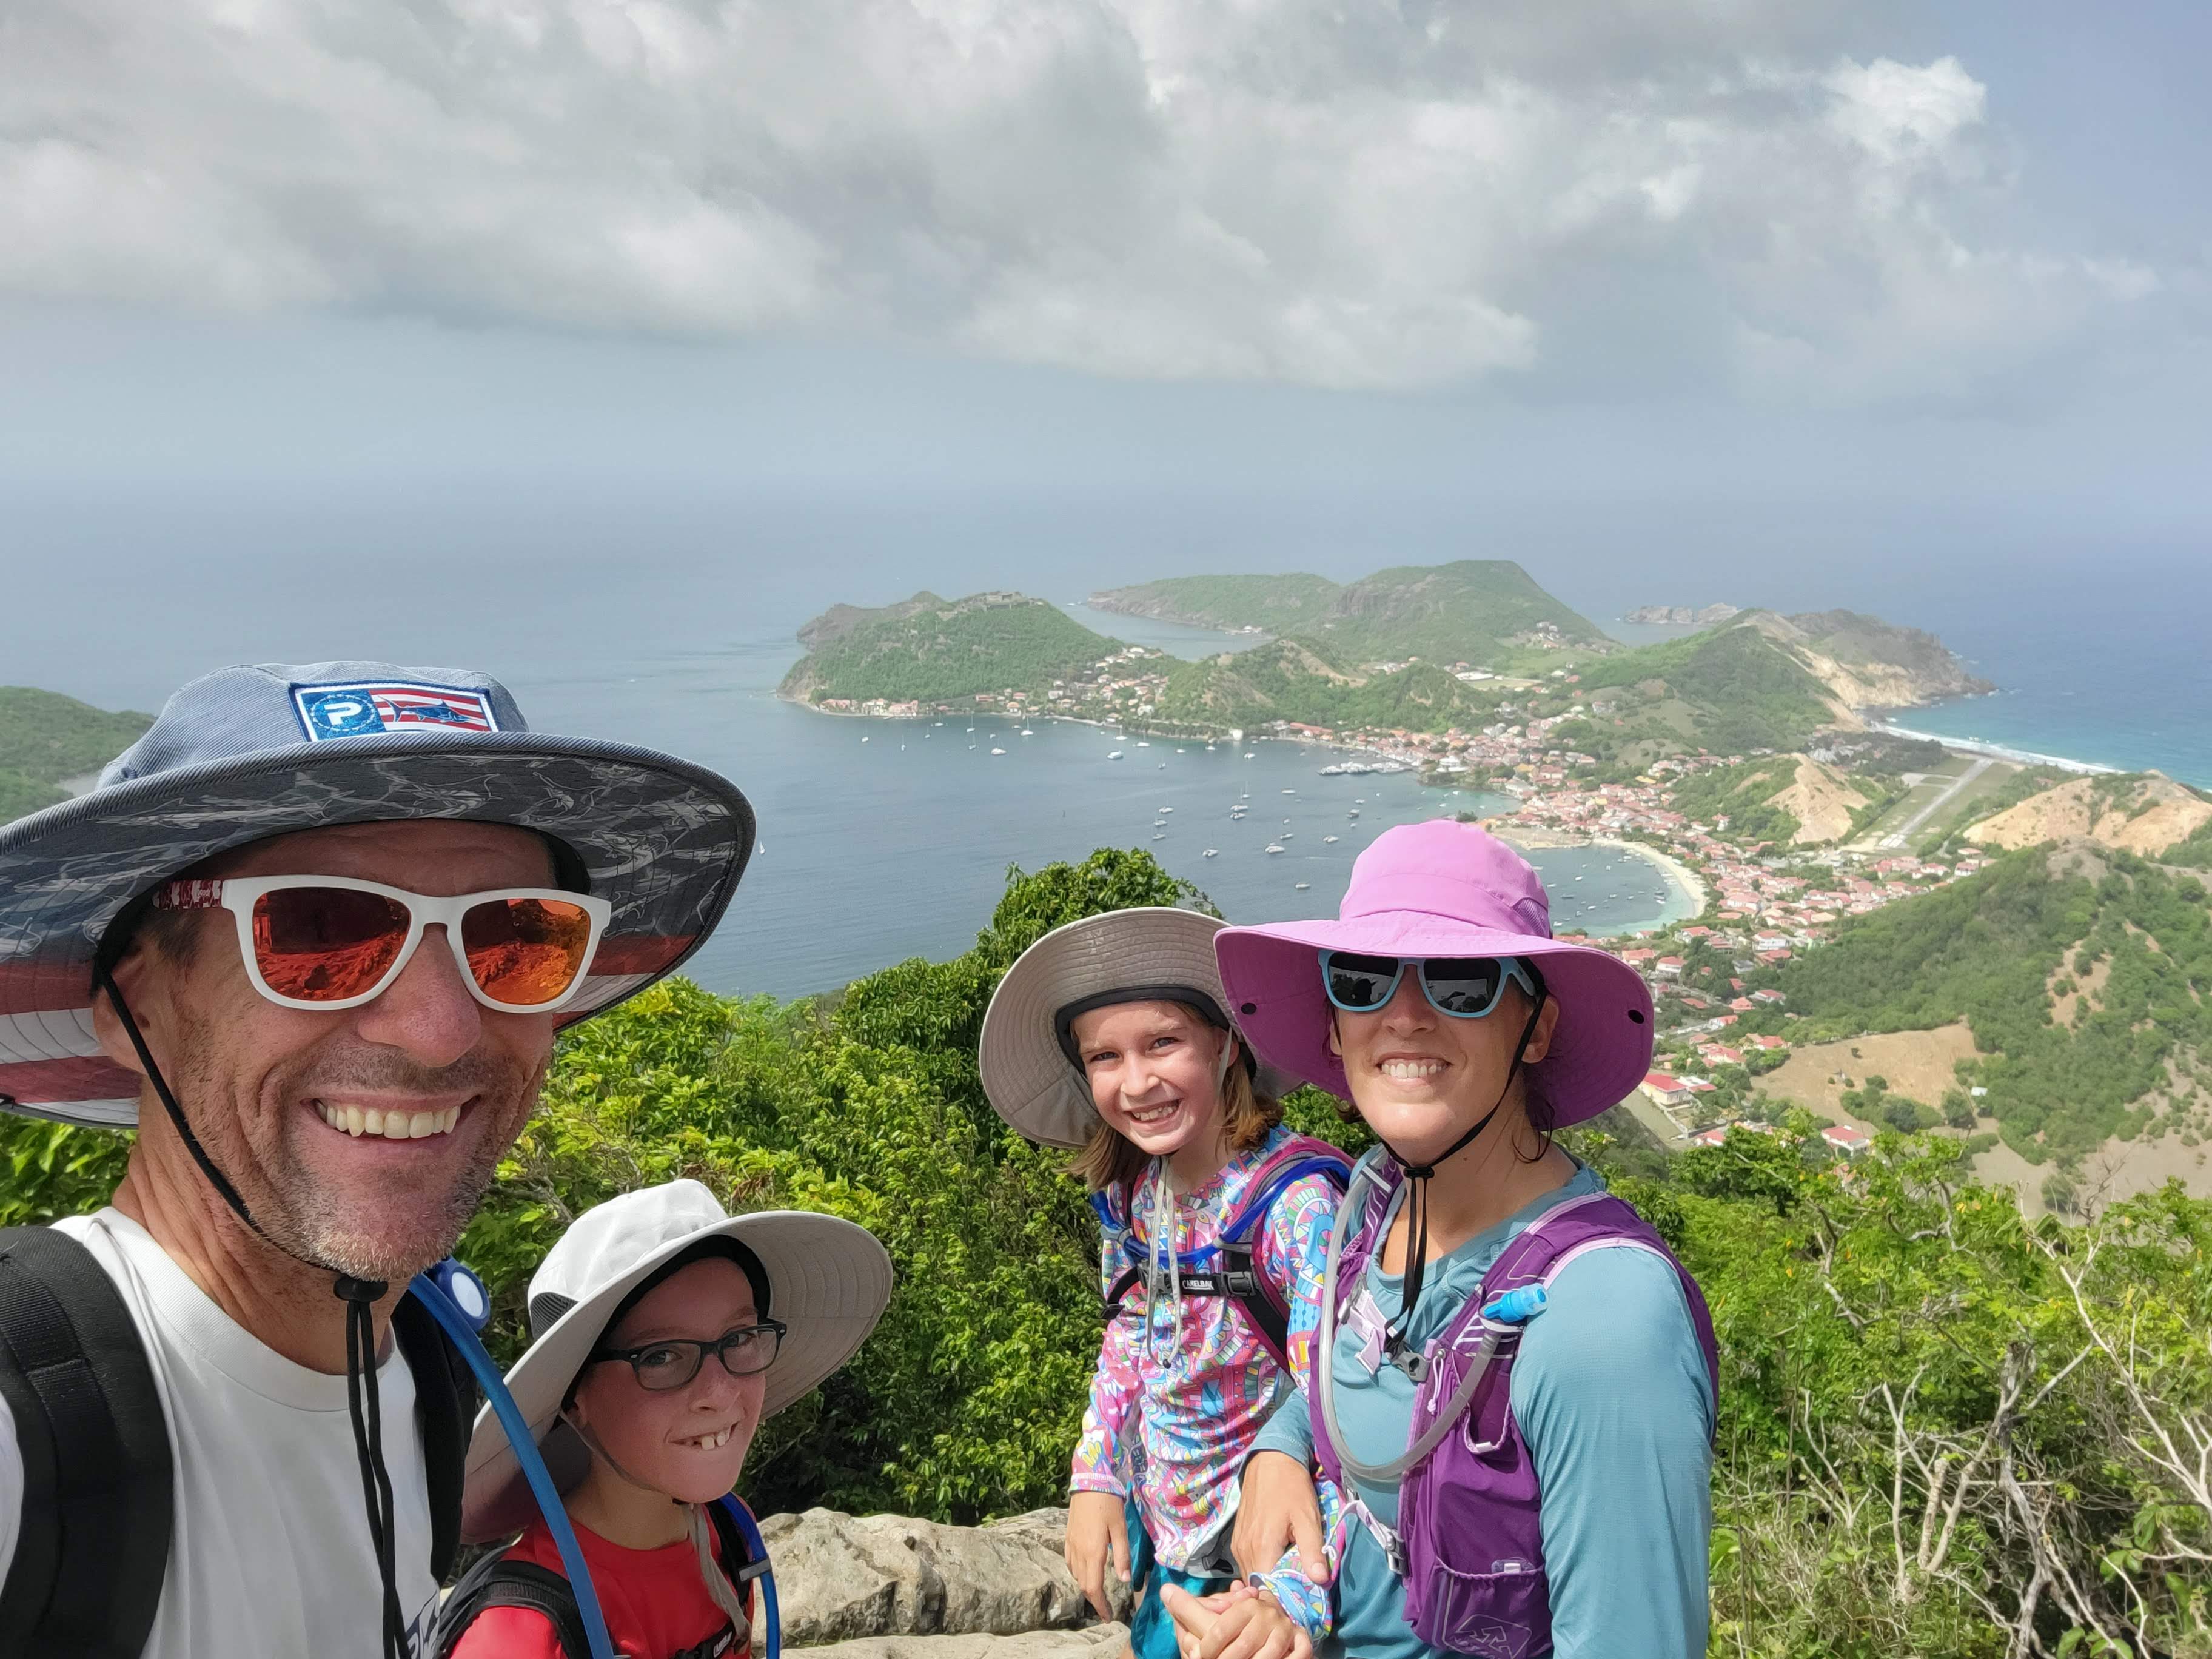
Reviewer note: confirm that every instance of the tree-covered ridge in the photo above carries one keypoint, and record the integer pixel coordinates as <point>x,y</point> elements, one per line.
<point>2086,978</point>
<point>1307,681</point>
<point>929,651</point>
<point>45,738</point>
<point>1742,797</point>
<point>1941,1431</point>
<point>1728,690</point>
<point>1485,613</point>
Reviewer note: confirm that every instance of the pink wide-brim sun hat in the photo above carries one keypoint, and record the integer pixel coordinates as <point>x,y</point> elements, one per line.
<point>1443,888</point>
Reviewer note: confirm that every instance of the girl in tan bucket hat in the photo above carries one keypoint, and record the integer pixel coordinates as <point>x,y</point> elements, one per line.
<point>1110,1035</point>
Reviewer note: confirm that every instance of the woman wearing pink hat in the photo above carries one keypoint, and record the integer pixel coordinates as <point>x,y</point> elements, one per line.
<point>1513,1421</point>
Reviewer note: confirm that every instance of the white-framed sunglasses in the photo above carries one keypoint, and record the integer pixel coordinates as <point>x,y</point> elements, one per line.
<point>327,943</point>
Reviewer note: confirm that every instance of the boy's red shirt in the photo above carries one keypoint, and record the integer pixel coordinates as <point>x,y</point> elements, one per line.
<point>656,1604</point>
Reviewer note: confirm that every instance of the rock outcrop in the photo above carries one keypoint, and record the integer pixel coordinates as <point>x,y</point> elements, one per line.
<point>843,1579</point>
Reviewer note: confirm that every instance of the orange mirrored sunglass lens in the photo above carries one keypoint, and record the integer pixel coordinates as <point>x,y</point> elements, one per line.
<point>525,952</point>
<point>325,944</point>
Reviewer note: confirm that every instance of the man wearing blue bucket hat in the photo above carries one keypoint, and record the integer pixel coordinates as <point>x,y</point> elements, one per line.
<point>313,934</point>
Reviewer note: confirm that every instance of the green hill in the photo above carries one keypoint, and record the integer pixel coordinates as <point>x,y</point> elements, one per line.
<point>2082,973</point>
<point>1484,611</point>
<point>1729,690</point>
<point>1744,795</point>
<point>45,738</point>
<point>1304,680</point>
<point>929,649</point>
<point>1758,681</point>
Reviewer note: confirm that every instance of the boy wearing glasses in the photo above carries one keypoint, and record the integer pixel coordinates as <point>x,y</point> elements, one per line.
<point>664,1332</point>
<point>312,936</point>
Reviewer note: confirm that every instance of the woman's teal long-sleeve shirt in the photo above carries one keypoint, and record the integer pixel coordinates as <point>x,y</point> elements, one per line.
<point>1611,1395</point>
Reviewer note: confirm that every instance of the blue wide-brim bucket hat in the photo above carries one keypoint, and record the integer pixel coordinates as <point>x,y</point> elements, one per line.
<point>249,752</point>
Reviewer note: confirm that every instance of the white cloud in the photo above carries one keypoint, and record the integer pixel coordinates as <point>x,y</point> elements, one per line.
<point>1899,113</point>
<point>1335,192</point>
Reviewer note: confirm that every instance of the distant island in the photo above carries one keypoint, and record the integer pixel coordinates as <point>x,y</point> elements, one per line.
<point>48,742</point>
<point>1483,611</point>
<point>1682,615</point>
<point>1472,664</point>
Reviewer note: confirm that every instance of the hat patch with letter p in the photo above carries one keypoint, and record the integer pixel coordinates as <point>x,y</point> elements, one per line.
<point>372,709</point>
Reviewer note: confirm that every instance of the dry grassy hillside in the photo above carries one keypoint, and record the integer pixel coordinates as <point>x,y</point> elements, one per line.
<point>2145,814</point>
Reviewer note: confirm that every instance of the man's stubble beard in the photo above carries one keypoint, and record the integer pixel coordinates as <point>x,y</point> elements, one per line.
<point>295,1207</point>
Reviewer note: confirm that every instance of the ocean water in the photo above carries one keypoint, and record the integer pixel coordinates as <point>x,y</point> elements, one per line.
<point>669,625</point>
<point>2112,673</point>
<point>870,852</point>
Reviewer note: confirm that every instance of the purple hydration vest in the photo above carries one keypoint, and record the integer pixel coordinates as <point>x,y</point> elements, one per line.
<point>1468,1543</point>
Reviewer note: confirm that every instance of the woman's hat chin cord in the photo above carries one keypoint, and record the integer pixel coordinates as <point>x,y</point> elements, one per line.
<point>360,1295</point>
<point>1402,1352</point>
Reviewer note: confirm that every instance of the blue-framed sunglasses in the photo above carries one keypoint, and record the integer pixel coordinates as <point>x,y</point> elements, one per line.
<point>1462,987</point>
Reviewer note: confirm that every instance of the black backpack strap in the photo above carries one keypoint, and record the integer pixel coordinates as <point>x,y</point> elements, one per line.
<point>1242,1280</point>
<point>445,1411</point>
<point>496,1582</point>
<point>93,1550</point>
<point>1123,1286</point>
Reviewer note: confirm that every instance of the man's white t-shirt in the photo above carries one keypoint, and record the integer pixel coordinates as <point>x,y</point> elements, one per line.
<point>270,1558</point>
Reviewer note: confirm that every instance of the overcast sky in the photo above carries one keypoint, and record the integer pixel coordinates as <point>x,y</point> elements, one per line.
<point>1785,254</point>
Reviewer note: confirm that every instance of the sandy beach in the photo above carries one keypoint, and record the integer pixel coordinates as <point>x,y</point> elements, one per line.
<point>1689,894</point>
<point>1690,887</point>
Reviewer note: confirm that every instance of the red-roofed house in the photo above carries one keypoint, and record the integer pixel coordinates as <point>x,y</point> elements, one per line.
<point>1845,1139</point>
<point>1665,1090</point>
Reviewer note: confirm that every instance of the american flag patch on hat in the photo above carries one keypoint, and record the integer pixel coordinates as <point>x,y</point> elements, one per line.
<point>366,709</point>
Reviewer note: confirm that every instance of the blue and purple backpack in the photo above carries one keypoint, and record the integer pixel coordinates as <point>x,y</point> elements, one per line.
<point>1227,1268</point>
<point>1469,1544</point>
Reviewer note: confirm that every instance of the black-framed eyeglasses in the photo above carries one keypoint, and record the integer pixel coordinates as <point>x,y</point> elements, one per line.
<point>659,1366</point>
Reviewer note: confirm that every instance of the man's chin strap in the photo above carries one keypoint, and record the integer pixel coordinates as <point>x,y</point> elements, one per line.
<point>1417,1198</point>
<point>360,1295</point>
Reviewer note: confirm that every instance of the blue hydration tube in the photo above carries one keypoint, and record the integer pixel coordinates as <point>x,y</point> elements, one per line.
<point>440,1291</point>
<point>749,1530</point>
